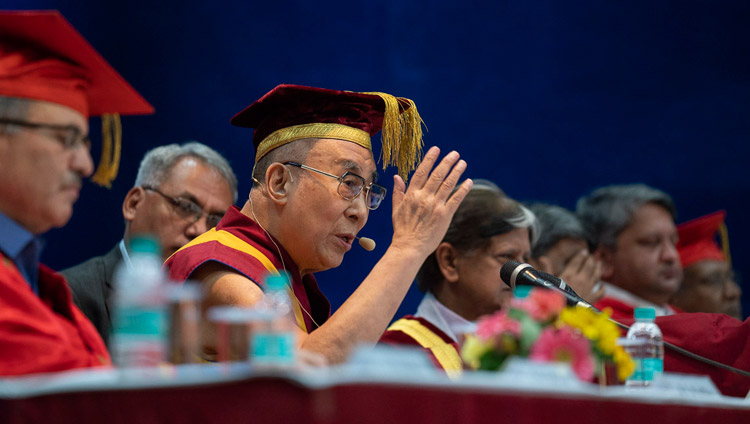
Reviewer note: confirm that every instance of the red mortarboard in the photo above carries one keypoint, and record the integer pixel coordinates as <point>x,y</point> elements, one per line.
<point>697,239</point>
<point>42,57</point>
<point>294,112</point>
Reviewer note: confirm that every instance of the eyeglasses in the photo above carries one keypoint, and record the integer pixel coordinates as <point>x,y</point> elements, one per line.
<point>69,136</point>
<point>350,185</point>
<point>189,210</point>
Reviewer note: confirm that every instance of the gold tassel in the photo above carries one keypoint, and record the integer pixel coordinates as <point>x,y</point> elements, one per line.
<point>724,235</point>
<point>401,135</point>
<point>109,164</point>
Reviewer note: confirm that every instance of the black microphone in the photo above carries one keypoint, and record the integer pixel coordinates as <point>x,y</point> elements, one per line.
<point>514,273</point>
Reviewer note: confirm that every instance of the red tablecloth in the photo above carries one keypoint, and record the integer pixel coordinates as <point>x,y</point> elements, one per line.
<point>285,400</point>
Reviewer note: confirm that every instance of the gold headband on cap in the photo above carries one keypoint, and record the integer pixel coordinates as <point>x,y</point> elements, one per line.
<point>401,134</point>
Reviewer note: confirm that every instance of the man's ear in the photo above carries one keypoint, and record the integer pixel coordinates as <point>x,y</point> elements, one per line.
<point>606,256</point>
<point>279,182</point>
<point>133,199</point>
<point>446,256</point>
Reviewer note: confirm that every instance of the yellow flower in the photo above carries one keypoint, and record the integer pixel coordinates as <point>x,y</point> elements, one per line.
<point>625,364</point>
<point>594,326</point>
<point>473,349</point>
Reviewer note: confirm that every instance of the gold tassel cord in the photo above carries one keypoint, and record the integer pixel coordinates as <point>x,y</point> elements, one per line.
<point>401,135</point>
<point>109,164</point>
<point>724,234</point>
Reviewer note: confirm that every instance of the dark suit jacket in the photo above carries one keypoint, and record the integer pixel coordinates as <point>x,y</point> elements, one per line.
<point>91,284</point>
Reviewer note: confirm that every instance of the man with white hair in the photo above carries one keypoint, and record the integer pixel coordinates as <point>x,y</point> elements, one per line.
<point>180,192</point>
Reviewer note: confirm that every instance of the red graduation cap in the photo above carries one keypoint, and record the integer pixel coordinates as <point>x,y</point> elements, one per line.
<point>294,112</point>
<point>42,57</point>
<point>697,239</point>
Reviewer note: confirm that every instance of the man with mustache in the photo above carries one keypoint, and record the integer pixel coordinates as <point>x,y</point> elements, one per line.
<point>51,82</point>
<point>631,230</point>
<point>180,192</point>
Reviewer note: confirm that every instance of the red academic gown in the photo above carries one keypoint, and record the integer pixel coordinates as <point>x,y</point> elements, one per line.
<point>43,333</point>
<point>714,336</point>
<point>240,243</point>
<point>444,352</point>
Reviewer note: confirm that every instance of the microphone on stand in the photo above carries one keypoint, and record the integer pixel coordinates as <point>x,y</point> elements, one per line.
<point>367,243</point>
<point>514,273</point>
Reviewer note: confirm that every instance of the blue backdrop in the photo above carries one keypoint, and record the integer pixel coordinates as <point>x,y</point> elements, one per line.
<point>549,99</point>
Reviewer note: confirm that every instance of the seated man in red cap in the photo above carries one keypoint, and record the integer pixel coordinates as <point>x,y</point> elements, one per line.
<point>708,283</point>
<point>315,184</point>
<point>631,229</point>
<point>51,82</point>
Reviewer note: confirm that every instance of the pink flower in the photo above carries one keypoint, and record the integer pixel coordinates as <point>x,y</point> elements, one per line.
<point>549,303</point>
<point>541,305</point>
<point>497,324</point>
<point>564,345</point>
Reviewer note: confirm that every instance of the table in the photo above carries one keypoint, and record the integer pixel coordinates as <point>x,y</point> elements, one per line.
<point>239,393</point>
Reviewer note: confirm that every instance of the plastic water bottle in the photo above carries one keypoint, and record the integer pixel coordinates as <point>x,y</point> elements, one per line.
<point>274,339</point>
<point>139,335</point>
<point>646,346</point>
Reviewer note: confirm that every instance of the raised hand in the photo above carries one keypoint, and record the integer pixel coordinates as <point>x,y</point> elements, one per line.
<point>423,212</point>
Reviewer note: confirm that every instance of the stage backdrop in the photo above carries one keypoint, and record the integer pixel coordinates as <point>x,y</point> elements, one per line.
<point>549,99</point>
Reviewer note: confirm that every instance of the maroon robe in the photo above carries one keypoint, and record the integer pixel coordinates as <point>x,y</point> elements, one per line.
<point>715,336</point>
<point>233,252</point>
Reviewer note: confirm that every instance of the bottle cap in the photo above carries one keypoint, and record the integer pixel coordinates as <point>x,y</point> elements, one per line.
<point>275,282</point>
<point>521,292</point>
<point>645,314</point>
<point>144,244</point>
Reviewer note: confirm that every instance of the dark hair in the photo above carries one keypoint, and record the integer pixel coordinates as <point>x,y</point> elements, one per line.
<point>484,213</point>
<point>555,223</point>
<point>608,210</point>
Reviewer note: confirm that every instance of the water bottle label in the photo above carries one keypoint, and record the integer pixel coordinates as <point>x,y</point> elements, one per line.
<point>140,321</point>
<point>139,336</point>
<point>273,348</point>
<point>646,369</point>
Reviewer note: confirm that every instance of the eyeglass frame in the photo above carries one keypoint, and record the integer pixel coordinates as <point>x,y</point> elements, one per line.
<point>74,138</point>
<point>365,187</point>
<point>176,202</point>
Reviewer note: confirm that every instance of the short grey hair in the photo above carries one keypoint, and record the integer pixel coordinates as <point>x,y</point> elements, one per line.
<point>555,223</point>
<point>14,108</point>
<point>607,211</point>
<point>295,151</point>
<point>158,162</point>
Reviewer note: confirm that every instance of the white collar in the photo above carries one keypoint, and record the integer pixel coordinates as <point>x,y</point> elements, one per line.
<point>125,255</point>
<point>447,321</point>
<point>635,301</point>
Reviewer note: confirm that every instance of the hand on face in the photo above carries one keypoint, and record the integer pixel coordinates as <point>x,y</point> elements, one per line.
<point>582,273</point>
<point>423,212</point>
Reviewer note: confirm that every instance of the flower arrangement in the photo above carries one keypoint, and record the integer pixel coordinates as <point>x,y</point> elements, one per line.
<point>540,327</point>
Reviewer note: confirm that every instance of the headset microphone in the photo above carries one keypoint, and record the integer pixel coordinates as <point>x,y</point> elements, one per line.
<point>367,243</point>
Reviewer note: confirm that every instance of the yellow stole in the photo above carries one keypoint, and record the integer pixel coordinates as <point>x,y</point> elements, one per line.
<point>444,352</point>
<point>233,242</point>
